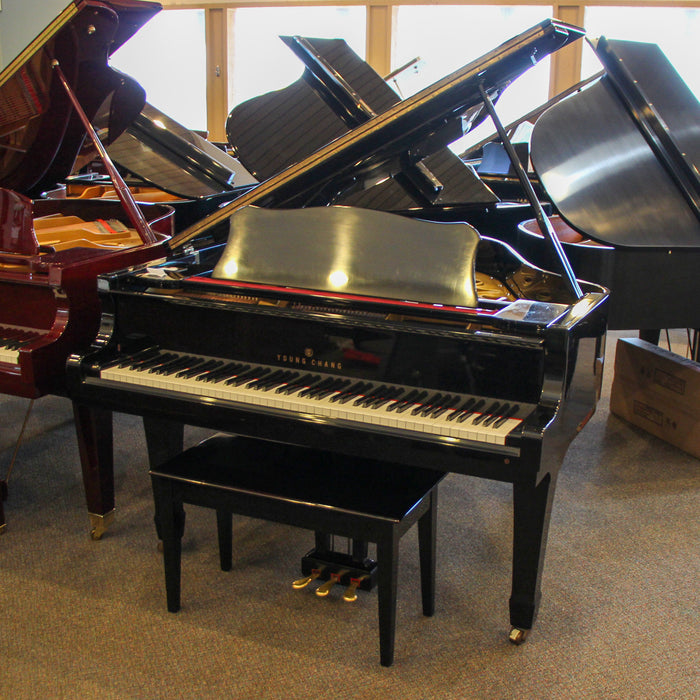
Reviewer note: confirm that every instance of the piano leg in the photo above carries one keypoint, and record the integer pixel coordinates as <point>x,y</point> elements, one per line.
<point>94,430</point>
<point>165,439</point>
<point>532,507</point>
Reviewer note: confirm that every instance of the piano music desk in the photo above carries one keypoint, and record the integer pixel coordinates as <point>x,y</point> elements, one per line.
<point>360,499</point>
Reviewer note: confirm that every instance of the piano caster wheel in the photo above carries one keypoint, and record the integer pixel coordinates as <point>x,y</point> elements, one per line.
<point>99,524</point>
<point>2,528</point>
<point>517,636</point>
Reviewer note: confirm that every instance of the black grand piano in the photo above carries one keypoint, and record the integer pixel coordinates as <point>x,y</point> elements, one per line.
<point>440,347</point>
<point>620,161</point>
<point>617,156</point>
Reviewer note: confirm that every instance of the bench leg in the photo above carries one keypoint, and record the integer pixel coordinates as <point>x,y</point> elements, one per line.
<point>387,584</point>
<point>224,524</point>
<point>427,537</point>
<point>171,517</point>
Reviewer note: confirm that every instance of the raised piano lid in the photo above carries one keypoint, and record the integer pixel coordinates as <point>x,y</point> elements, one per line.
<point>413,126</point>
<point>337,92</point>
<point>620,160</point>
<point>164,153</point>
<point>40,136</point>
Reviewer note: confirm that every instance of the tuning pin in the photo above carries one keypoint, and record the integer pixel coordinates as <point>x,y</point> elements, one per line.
<point>325,588</point>
<point>306,580</point>
<point>350,594</point>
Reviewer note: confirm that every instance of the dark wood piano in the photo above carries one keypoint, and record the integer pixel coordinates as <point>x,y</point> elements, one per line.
<point>357,331</point>
<point>51,252</point>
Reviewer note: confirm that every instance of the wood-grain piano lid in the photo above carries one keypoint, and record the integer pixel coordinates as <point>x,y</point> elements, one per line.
<point>620,160</point>
<point>40,135</point>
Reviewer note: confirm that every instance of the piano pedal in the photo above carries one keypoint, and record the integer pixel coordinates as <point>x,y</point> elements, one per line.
<point>350,595</point>
<point>325,588</point>
<point>517,636</point>
<point>306,580</point>
<point>337,567</point>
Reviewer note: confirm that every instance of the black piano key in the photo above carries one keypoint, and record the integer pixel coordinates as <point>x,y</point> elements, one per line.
<point>351,392</point>
<point>272,380</point>
<point>466,406</point>
<point>466,414</point>
<point>332,388</point>
<point>123,361</point>
<point>310,391</point>
<point>509,414</point>
<point>299,383</point>
<point>427,405</point>
<point>402,400</point>
<point>447,403</point>
<point>226,371</point>
<point>245,377</point>
<point>174,366</point>
<point>197,368</point>
<point>390,395</point>
<point>148,363</point>
<point>416,400</point>
<point>486,413</point>
<point>207,369</point>
<point>370,396</point>
<point>496,414</point>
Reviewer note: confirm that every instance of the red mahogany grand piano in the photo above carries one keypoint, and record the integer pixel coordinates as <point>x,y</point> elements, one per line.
<point>51,251</point>
<point>356,331</point>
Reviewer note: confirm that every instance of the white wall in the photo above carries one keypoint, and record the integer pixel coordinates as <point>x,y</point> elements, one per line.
<point>21,21</point>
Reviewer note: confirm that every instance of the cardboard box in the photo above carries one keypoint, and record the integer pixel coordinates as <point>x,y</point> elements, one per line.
<point>659,391</point>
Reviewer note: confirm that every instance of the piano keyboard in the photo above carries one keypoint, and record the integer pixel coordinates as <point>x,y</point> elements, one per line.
<point>12,338</point>
<point>452,415</point>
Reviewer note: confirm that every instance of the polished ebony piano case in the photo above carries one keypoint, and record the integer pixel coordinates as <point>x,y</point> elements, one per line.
<point>358,331</point>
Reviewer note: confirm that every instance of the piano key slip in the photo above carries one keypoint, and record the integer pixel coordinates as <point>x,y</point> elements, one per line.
<point>365,500</point>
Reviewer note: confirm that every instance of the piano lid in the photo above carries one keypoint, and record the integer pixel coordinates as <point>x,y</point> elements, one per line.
<point>164,153</point>
<point>412,128</point>
<point>337,250</point>
<point>337,92</point>
<point>620,160</point>
<point>40,135</point>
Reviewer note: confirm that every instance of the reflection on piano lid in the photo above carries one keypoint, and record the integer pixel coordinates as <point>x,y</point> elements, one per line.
<point>620,161</point>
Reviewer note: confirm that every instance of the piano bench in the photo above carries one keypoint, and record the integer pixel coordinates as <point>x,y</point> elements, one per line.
<point>366,500</point>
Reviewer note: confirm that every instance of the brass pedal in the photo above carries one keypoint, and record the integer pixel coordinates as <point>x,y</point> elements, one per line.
<point>306,580</point>
<point>325,588</point>
<point>350,594</point>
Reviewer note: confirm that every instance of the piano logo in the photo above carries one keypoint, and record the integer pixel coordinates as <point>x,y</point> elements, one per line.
<point>307,359</point>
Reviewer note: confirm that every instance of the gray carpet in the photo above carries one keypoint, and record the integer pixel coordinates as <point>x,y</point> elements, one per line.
<point>619,616</point>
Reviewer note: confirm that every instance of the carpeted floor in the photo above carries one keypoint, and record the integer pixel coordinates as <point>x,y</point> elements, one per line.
<point>82,619</point>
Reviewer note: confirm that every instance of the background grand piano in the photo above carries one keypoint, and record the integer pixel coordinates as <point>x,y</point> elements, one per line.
<point>617,190</point>
<point>512,343</point>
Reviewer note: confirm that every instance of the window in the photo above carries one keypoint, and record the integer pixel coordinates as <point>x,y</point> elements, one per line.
<point>447,37</point>
<point>259,62</point>
<point>168,57</point>
<point>674,29</point>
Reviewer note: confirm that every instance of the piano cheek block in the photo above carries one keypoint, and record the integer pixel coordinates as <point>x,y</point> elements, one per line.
<point>359,500</point>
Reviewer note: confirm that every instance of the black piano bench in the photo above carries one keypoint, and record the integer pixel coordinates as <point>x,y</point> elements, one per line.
<point>365,500</point>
